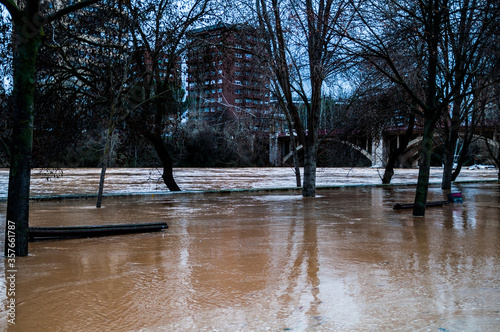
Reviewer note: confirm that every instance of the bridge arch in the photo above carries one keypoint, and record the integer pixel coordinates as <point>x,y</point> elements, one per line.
<point>364,152</point>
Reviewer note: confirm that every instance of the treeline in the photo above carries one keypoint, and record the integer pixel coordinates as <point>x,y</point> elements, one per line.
<point>69,141</point>
<point>109,92</point>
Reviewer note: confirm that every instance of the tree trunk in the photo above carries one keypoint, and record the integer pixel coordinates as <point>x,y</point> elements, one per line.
<point>101,186</point>
<point>295,155</point>
<point>108,147</point>
<point>432,111</point>
<point>389,169</point>
<point>166,161</point>
<point>309,186</point>
<point>463,154</point>
<point>448,161</point>
<point>403,144</point>
<point>298,180</point>
<point>25,53</point>
<point>451,145</point>
<point>424,169</point>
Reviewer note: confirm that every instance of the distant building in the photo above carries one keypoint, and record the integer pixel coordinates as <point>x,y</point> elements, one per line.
<point>147,67</point>
<point>227,76</point>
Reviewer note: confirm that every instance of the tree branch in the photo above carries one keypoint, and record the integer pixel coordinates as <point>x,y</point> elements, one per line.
<point>69,9</point>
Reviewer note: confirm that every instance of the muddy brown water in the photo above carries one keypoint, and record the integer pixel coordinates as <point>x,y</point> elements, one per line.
<point>343,261</point>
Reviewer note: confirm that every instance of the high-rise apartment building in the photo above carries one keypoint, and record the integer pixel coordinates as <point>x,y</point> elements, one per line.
<point>227,75</point>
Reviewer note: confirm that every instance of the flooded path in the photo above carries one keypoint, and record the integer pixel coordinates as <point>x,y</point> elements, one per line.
<point>343,261</point>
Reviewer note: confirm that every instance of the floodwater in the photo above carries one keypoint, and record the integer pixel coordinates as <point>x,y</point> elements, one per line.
<point>134,180</point>
<point>247,261</point>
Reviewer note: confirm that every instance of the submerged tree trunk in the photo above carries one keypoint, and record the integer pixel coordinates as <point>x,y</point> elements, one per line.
<point>166,161</point>
<point>105,162</point>
<point>451,145</point>
<point>309,186</point>
<point>469,127</point>
<point>448,162</point>
<point>107,155</point>
<point>403,144</point>
<point>424,169</point>
<point>101,186</point>
<point>295,155</point>
<point>25,53</point>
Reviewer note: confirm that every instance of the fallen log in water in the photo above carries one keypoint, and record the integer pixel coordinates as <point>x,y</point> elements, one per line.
<point>452,198</point>
<point>399,206</point>
<point>35,233</point>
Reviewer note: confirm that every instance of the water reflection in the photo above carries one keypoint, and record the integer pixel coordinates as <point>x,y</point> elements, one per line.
<point>342,261</point>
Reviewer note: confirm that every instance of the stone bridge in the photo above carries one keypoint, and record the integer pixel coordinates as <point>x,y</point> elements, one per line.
<point>376,150</point>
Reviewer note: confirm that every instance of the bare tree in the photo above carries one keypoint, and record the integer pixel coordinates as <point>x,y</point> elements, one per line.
<point>303,47</point>
<point>490,100</point>
<point>89,63</point>
<point>380,107</point>
<point>27,22</point>
<point>159,41</point>
<point>382,27</point>
<point>469,34</point>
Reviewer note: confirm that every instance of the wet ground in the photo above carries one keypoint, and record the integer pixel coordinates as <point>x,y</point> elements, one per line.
<point>343,261</point>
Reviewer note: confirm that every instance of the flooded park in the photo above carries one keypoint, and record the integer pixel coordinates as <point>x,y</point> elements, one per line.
<point>260,259</point>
